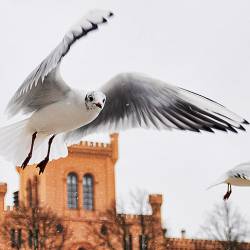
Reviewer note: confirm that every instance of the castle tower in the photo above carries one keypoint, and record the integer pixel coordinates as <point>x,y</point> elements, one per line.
<point>155,200</point>
<point>80,185</point>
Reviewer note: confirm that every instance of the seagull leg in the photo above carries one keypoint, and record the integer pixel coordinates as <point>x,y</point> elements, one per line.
<point>230,190</point>
<point>26,161</point>
<point>228,193</point>
<point>44,162</point>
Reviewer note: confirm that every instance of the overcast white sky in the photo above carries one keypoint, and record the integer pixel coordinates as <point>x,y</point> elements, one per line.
<point>203,46</point>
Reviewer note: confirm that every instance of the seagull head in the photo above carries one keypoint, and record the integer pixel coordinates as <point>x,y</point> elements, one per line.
<point>95,100</point>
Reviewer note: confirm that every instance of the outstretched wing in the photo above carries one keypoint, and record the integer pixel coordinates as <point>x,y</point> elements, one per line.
<point>134,100</point>
<point>44,85</point>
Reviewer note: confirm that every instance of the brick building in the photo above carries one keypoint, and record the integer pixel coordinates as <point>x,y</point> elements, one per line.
<point>81,187</point>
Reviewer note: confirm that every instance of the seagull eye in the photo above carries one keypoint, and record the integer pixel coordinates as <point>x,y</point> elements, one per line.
<point>91,98</point>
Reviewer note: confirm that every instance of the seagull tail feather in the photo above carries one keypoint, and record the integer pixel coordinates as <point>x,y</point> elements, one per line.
<point>15,143</point>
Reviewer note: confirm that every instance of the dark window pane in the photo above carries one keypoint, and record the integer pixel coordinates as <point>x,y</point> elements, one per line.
<point>88,192</point>
<point>16,198</point>
<point>30,239</point>
<point>13,237</point>
<point>19,238</point>
<point>128,242</point>
<point>143,242</point>
<point>36,238</point>
<point>72,190</point>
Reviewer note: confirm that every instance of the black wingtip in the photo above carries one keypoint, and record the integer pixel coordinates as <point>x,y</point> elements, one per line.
<point>111,14</point>
<point>219,127</point>
<point>241,128</point>
<point>230,128</point>
<point>104,20</point>
<point>245,122</point>
<point>208,129</point>
<point>196,130</point>
<point>94,26</point>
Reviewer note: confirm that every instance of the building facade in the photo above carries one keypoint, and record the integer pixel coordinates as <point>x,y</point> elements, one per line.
<point>81,188</point>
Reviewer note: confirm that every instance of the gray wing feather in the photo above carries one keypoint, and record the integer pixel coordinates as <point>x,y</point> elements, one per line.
<point>44,85</point>
<point>135,100</point>
<point>241,171</point>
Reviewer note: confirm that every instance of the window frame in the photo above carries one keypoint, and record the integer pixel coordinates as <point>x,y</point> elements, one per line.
<point>72,200</point>
<point>88,203</point>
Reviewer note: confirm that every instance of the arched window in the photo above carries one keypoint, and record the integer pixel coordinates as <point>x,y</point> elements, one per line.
<point>72,190</point>
<point>88,192</point>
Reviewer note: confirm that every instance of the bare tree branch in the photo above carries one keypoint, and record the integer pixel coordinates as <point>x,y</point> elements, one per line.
<point>226,225</point>
<point>40,229</point>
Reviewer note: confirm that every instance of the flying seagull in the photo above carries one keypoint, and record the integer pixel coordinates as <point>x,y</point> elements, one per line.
<point>60,114</point>
<point>237,176</point>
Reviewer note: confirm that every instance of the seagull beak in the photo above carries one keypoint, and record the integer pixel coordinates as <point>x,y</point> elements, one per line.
<point>99,105</point>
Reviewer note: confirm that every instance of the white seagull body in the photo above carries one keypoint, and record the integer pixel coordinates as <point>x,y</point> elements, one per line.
<point>64,115</point>
<point>68,114</point>
<point>237,176</point>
